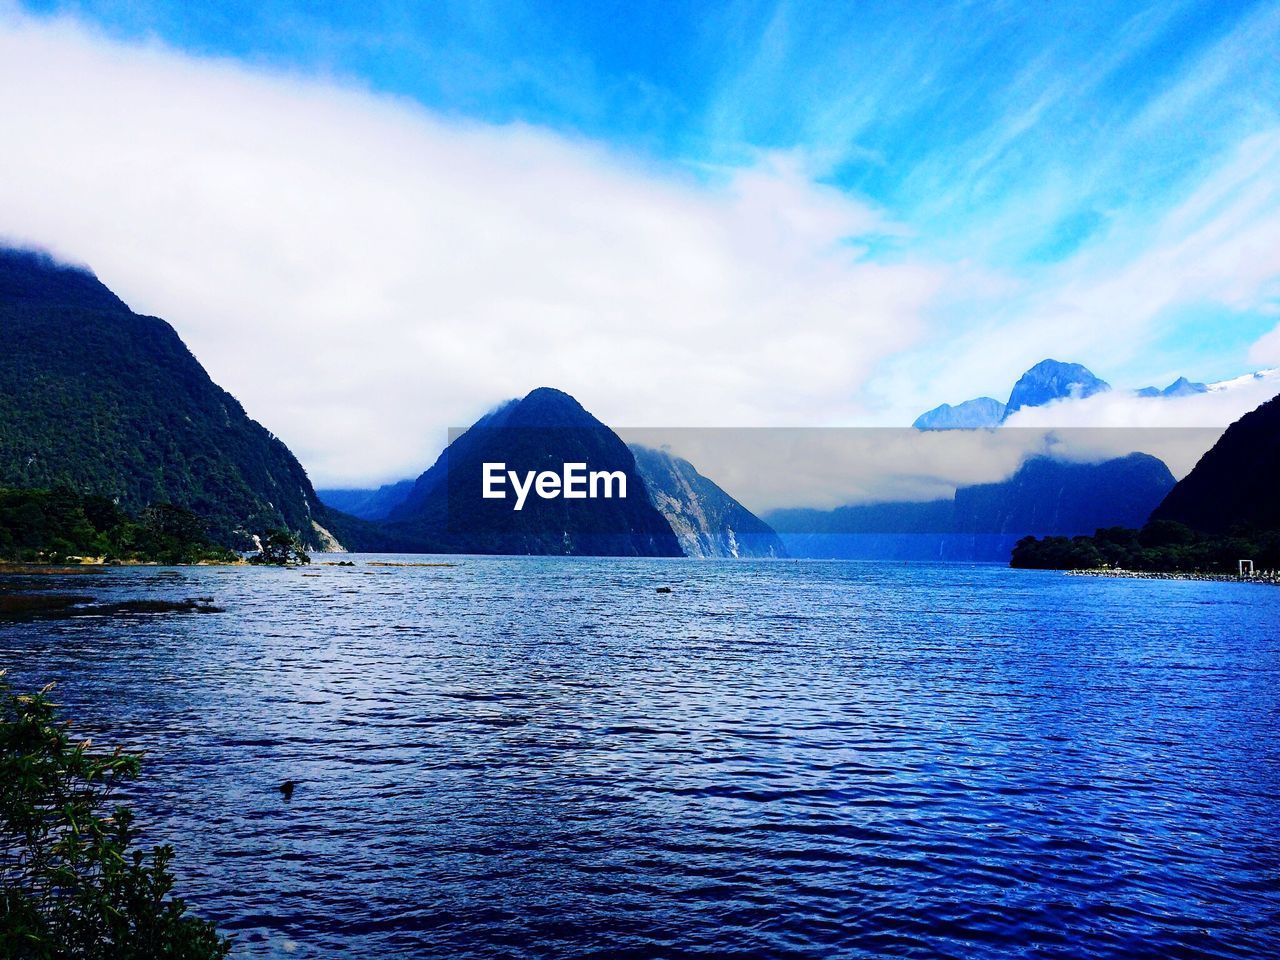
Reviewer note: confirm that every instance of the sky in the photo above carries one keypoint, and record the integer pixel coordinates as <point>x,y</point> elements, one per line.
<point>373,222</point>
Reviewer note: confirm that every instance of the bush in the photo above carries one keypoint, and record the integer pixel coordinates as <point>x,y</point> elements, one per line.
<point>51,525</point>
<point>1162,546</point>
<point>280,548</point>
<point>70,886</point>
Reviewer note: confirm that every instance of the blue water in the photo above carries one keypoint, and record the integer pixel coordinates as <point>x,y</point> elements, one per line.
<point>546,758</point>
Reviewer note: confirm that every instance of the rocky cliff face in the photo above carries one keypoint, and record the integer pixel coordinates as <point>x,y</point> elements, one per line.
<point>705,519</point>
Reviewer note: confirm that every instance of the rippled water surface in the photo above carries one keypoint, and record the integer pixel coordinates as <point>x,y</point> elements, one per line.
<point>547,758</point>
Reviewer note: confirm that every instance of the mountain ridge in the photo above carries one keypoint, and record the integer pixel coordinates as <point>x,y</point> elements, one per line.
<point>982,522</point>
<point>446,512</point>
<point>104,401</point>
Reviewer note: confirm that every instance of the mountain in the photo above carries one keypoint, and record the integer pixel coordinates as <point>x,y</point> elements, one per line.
<point>104,401</point>
<point>1182,387</point>
<point>367,504</point>
<point>1233,487</point>
<point>447,512</point>
<point>983,522</point>
<point>1047,381</point>
<point>706,520</point>
<point>1051,380</point>
<point>970,415</point>
<point>1050,497</point>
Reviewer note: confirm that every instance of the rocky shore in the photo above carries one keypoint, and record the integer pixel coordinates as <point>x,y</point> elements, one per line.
<point>1271,577</point>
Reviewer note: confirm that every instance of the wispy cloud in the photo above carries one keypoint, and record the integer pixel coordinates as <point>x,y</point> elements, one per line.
<point>1125,303</point>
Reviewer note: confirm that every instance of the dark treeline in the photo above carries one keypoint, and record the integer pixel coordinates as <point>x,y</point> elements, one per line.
<point>1161,546</point>
<point>52,525</point>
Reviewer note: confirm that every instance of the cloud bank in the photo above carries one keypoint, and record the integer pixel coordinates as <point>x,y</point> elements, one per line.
<point>776,468</point>
<point>363,274</point>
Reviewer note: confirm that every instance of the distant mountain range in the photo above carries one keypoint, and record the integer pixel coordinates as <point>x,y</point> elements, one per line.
<point>1047,381</point>
<point>365,504</point>
<point>99,399</point>
<point>1047,496</point>
<point>1051,380</point>
<point>1182,387</point>
<point>1224,512</point>
<point>983,522</point>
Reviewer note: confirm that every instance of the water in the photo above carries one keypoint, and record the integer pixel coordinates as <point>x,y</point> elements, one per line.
<point>546,758</point>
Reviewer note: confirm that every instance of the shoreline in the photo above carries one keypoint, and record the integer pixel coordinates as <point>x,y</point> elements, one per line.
<point>1269,578</point>
<point>95,565</point>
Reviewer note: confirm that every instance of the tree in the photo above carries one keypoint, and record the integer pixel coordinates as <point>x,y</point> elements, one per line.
<point>70,886</point>
<point>280,548</point>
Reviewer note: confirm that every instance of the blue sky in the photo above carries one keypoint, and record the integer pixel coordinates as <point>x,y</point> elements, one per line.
<point>974,185</point>
<point>948,115</point>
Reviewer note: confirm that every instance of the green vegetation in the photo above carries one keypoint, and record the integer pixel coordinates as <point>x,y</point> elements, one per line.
<point>280,548</point>
<point>53,525</point>
<point>98,399</point>
<point>1162,546</point>
<point>72,889</point>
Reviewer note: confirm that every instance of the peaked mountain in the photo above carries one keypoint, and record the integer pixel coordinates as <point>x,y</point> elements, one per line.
<point>970,415</point>
<point>374,504</point>
<point>1182,387</point>
<point>1233,486</point>
<point>104,401</point>
<point>1047,381</point>
<point>706,520</point>
<point>446,510</point>
<point>1051,380</point>
<point>983,522</point>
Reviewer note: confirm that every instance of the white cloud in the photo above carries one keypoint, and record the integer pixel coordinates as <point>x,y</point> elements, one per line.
<point>1222,404</point>
<point>824,468</point>
<point>1267,349</point>
<point>1178,430</point>
<point>363,274</point>
<point>1110,305</point>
